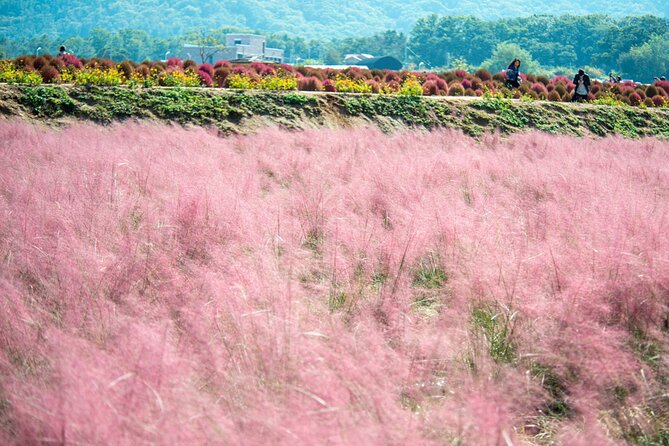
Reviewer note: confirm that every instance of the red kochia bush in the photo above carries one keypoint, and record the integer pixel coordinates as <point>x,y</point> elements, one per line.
<point>241,69</point>
<point>430,88</point>
<point>205,67</point>
<point>50,74</point>
<point>58,64</point>
<point>220,75</point>
<point>222,63</point>
<point>40,62</point>
<point>554,96</point>
<point>651,91</point>
<point>72,61</point>
<point>456,89</point>
<point>634,99</point>
<point>174,62</point>
<point>126,68</point>
<point>190,65</point>
<point>25,61</point>
<point>261,68</point>
<point>143,70</point>
<point>329,86</point>
<point>309,84</point>
<point>658,100</point>
<point>540,89</point>
<point>205,78</point>
<point>391,76</point>
<point>484,75</point>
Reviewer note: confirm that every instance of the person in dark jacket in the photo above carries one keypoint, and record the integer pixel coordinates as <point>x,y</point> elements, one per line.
<point>582,86</point>
<point>513,79</point>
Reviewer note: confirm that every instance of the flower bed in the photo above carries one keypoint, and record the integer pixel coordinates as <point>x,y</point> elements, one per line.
<point>260,76</point>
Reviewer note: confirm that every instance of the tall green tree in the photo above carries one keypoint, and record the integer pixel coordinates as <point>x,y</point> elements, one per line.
<point>643,63</point>
<point>506,52</point>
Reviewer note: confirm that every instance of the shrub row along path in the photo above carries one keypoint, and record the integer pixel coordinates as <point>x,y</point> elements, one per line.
<point>245,112</point>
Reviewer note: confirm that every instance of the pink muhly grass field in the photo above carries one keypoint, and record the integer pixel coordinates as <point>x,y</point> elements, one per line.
<point>167,286</point>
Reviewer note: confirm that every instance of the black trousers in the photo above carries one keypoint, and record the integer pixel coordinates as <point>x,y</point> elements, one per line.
<point>512,84</point>
<point>579,97</point>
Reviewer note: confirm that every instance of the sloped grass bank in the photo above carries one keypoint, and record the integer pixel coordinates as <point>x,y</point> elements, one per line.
<point>238,112</point>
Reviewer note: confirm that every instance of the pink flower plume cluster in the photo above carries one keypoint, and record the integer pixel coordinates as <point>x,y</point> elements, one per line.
<point>161,285</point>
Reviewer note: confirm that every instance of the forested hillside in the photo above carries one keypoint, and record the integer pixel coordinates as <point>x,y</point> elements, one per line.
<point>307,18</point>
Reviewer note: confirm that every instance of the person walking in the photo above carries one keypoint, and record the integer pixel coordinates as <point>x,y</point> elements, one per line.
<point>513,79</point>
<point>582,83</point>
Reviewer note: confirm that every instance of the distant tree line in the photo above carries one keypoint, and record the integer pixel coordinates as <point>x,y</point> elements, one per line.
<point>634,47</point>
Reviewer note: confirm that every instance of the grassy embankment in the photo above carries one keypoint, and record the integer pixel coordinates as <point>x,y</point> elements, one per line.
<point>234,111</point>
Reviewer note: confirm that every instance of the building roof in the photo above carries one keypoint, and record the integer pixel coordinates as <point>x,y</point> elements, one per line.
<point>335,67</point>
<point>382,63</point>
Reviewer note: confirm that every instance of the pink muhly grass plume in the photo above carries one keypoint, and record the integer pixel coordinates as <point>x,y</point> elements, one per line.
<point>165,285</point>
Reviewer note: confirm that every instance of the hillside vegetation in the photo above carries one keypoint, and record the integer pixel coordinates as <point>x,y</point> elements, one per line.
<point>234,112</point>
<point>635,46</point>
<point>312,18</point>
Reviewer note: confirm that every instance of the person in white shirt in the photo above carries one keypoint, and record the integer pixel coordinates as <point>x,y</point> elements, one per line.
<point>582,83</point>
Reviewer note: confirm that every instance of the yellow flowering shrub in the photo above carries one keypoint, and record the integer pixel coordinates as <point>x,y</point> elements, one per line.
<point>278,82</point>
<point>345,85</point>
<point>241,82</point>
<point>410,87</point>
<point>178,79</point>
<point>99,76</point>
<point>12,75</point>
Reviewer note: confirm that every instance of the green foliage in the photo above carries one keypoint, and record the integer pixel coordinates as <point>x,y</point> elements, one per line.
<point>553,41</point>
<point>429,272</point>
<point>504,53</point>
<point>225,109</point>
<point>492,102</point>
<point>646,348</point>
<point>460,63</point>
<point>309,19</point>
<point>647,60</point>
<point>50,102</point>
<point>337,299</point>
<point>608,99</point>
<point>556,406</point>
<point>496,325</point>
